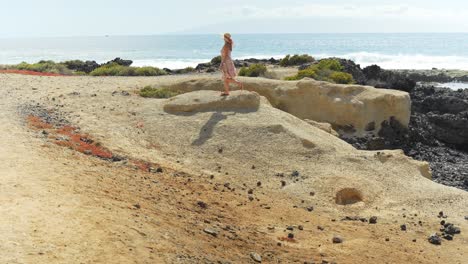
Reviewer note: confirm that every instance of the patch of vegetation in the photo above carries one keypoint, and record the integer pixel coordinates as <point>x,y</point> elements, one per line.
<point>253,70</point>
<point>296,60</point>
<point>148,71</point>
<point>329,70</point>
<point>114,69</point>
<point>44,66</point>
<point>81,66</point>
<point>184,70</point>
<point>216,60</point>
<point>151,92</point>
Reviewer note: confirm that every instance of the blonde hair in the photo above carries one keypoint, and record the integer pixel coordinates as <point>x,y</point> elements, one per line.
<point>228,40</point>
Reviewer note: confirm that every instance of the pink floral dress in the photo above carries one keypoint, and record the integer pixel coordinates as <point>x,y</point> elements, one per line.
<point>227,65</point>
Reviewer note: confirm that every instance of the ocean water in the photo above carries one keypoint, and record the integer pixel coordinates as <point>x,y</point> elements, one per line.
<point>391,51</point>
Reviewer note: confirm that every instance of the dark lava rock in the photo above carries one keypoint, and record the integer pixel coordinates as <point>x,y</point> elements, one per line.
<point>447,236</point>
<point>337,240</point>
<point>381,78</point>
<point>373,220</point>
<point>295,174</point>
<point>451,229</point>
<point>435,239</point>
<point>82,66</point>
<point>354,218</point>
<point>202,204</point>
<point>354,69</point>
<point>120,61</point>
<point>436,134</point>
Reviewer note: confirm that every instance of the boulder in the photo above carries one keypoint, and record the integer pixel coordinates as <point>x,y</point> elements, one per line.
<point>353,106</point>
<point>381,78</point>
<point>200,101</point>
<point>120,61</point>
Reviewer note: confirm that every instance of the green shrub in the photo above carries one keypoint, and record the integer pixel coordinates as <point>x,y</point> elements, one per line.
<point>216,60</point>
<point>253,70</point>
<point>184,70</point>
<point>341,78</point>
<point>114,69</point>
<point>329,64</point>
<point>44,66</point>
<point>296,60</point>
<point>149,71</point>
<point>329,70</point>
<point>80,73</point>
<point>151,92</point>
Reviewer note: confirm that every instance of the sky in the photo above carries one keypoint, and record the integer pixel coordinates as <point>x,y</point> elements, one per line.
<point>53,18</point>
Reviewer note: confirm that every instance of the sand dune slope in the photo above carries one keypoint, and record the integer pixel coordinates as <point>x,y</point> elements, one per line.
<point>202,179</point>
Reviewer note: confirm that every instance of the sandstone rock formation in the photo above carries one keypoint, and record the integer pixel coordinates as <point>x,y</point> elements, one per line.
<point>344,106</point>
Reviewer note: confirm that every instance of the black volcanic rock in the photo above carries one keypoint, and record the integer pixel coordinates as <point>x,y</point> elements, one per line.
<point>354,69</point>
<point>82,66</point>
<point>436,134</point>
<point>380,78</point>
<point>120,61</point>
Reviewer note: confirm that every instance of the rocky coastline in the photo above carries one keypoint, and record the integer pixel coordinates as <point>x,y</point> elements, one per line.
<point>438,128</point>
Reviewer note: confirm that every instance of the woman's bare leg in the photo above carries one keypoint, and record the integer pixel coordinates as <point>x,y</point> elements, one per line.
<point>240,84</point>
<point>226,86</point>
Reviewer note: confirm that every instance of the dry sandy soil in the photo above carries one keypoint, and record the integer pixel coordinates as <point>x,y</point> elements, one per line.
<point>215,198</point>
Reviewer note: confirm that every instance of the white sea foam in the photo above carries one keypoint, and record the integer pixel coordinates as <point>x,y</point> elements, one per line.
<point>404,61</point>
<point>170,64</point>
<point>398,61</point>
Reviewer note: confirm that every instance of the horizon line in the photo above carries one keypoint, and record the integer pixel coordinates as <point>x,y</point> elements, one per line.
<point>208,34</point>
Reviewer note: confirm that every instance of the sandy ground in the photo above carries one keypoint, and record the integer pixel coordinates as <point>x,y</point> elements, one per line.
<point>62,206</point>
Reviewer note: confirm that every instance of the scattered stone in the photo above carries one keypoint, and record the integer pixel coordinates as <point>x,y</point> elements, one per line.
<point>290,228</point>
<point>250,191</point>
<point>451,229</point>
<point>403,227</point>
<point>220,150</point>
<point>435,239</point>
<point>310,208</point>
<point>259,184</point>
<point>447,236</point>
<point>373,220</point>
<point>253,167</point>
<point>320,228</point>
<point>312,193</point>
<point>300,227</point>
<point>211,232</point>
<point>414,240</point>
<point>283,183</point>
<point>295,174</point>
<point>256,257</point>
<point>387,239</point>
<point>202,204</point>
<point>156,170</point>
<point>466,217</point>
<point>337,240</point>
<point>354,218</point>
<point>137,206</point>
<point>291,236</point>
